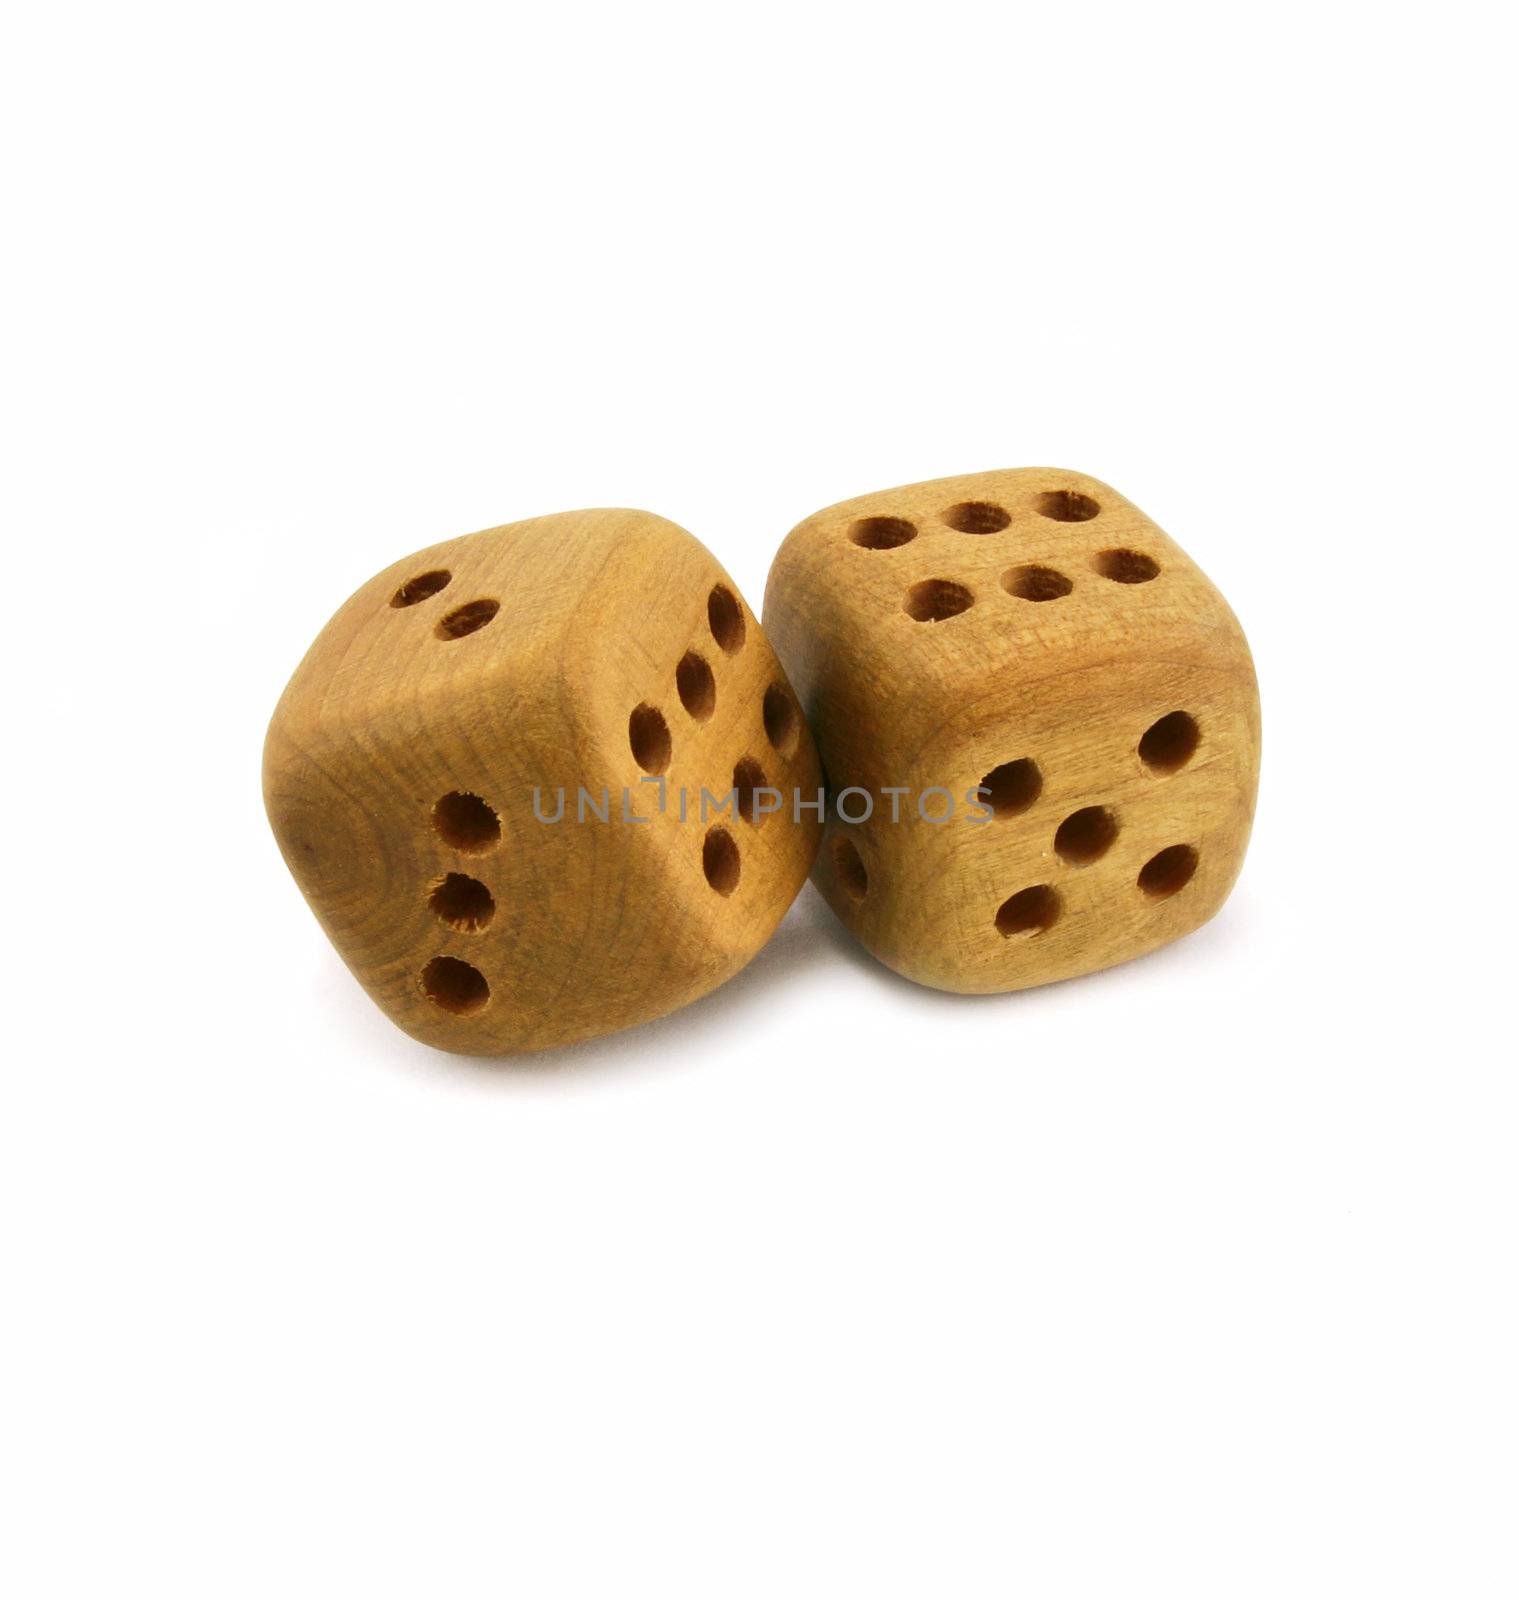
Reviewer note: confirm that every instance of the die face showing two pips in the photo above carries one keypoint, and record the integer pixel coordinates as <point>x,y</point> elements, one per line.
<point>487,777</point>
<point>1063,704</point>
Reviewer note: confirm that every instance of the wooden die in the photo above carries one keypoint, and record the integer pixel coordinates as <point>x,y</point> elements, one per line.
<point>1031,646</point>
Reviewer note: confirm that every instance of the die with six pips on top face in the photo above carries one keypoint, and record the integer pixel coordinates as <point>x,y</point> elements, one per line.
<point>1030,646</point>
<point>415,763</point>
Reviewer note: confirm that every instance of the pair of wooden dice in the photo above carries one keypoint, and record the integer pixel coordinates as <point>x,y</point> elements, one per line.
<point>554,779</point>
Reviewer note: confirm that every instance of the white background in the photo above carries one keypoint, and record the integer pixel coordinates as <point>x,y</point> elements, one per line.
<point>1196,1278</point>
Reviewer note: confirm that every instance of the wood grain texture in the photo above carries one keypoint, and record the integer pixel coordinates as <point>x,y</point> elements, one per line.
<point>517,660</point>
<point>1061,627</point>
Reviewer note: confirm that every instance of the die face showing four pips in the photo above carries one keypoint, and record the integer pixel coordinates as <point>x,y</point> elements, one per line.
<point>487,777</point>
<point>1030,635</point>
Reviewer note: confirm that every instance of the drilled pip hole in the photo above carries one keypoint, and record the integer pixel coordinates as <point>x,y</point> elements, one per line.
<point>696,686</point>
<point>719,860</point>
<point>1028,913</point>
<point>977,516</point>
<point>748,776</point>
<point>936,600</point>
<point>466,823</point>
<point>464,903</point>
<point>882,533</point>
<point>467,619</point>
<point>1126,566</point>
<point>423,587</point>
<point>649,738</point>
<point>849,869</point>
<point>455,986</point>
<point>1169,744</point>
<point>1066,505</point>
<point>725,617</point>
<point>1165,874</point>
<point>1086,835</point>
<point>1036,583</point>
<point>782,720</point>
<point>1012,787</point>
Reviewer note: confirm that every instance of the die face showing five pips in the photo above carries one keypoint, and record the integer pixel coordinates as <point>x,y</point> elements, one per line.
<point>486,777</point>
<point>1029,646</point>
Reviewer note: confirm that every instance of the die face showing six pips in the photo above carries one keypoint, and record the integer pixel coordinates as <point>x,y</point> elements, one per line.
<point>1031,635</point>
<point>487,778</point>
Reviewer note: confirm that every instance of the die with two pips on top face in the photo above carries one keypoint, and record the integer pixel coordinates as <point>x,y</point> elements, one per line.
<point>1049,711</point>
<point>491,774</point>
